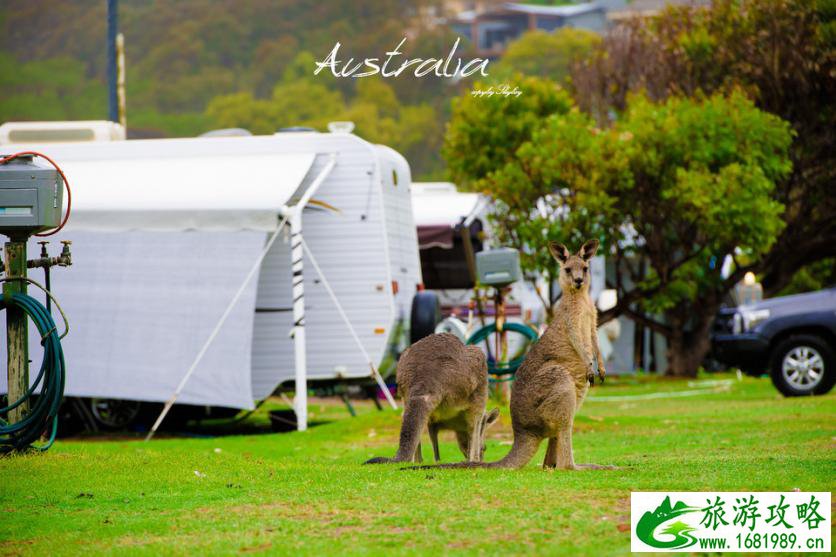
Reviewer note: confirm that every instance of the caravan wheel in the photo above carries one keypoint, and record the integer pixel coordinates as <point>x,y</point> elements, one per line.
<point>426,314</point>
<point>112,413</point>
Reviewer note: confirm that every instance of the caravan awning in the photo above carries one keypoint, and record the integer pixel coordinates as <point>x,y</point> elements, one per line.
<point>438,208</point>
<point>189,193</point>
<point>179,184</point>
<point>435,236</point>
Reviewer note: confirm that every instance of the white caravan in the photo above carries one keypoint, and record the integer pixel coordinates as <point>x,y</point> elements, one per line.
<point>166,233</point>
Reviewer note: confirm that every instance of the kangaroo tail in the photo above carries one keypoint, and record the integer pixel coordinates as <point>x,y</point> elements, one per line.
<point>416,413</point>
<point>520,454</point>
<point>379,460</point>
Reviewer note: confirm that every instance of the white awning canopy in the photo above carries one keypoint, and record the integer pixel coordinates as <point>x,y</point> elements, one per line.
<point>219,184</point>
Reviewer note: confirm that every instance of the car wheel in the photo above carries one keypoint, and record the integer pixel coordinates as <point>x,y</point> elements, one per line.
<point>803,365</point>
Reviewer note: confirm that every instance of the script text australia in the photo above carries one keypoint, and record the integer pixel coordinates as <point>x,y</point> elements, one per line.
<point>388,66</point>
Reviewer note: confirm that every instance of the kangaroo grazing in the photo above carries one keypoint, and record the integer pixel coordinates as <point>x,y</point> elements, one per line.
<point>552,382</point>
<point>444,385</point>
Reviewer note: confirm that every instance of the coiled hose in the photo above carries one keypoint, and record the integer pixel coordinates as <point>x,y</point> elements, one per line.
<point>43,412</point>
<point>504,368</point>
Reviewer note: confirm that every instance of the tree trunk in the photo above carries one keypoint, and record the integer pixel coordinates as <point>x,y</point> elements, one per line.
<point>686,353</point>
<point>690,338</point>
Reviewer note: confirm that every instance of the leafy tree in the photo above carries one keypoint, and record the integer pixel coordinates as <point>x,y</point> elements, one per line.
<point>56,88</point>
<point>486,132</point>
<point>783,54</point>
<point>538,53</point>
<point>283,109</point>
<point>672,188</point>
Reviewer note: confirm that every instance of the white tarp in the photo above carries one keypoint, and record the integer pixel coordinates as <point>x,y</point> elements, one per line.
<point>164,292</point>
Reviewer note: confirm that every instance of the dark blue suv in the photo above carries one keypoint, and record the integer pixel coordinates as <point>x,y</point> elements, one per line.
<point>793,338</point>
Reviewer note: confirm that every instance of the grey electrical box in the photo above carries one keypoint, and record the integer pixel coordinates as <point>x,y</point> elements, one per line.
<point>498,267</point>
<point>31,196</point>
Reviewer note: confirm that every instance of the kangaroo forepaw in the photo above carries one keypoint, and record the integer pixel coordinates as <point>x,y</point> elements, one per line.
<point>591,378</point>
<point>601,375</point>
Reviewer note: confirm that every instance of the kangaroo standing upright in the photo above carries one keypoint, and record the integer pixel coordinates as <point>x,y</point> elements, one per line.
<point>552,382</point>
<point>444,385</point>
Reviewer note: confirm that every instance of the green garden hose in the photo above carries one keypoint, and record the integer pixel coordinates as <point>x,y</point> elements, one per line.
<point>43,412</point>
<point>510,367</point>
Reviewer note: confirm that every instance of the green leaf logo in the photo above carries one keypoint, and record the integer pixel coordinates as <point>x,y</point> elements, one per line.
<point>680,531</point>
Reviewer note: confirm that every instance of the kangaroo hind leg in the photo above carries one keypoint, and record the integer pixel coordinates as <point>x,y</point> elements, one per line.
<point>551,454</point>
<point>416,414</point>
<point>433,429</point>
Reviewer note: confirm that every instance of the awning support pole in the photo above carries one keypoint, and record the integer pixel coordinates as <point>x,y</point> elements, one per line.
<point>297,256</point>
<point>376,374</point>
<point>300,400</point>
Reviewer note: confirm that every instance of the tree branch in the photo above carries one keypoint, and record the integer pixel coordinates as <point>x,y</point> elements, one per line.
<point>651,324</point>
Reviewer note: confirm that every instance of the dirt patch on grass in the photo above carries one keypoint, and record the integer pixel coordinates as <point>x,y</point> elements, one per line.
<point>14,547</point>
<point>256,548</point>
<point>331,520</point>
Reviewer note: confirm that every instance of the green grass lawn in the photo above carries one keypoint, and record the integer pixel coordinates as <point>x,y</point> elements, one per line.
<point>307,493</point>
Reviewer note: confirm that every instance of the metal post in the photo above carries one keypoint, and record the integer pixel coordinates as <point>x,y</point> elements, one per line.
<point>300,401</point>
<point>112,29</point>
<point>16,327</point>
<point>503,389</point>
<point>469,256</point>
<point>120,81</point>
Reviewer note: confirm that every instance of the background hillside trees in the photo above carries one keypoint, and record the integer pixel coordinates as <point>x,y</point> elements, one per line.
<point>193,65</point>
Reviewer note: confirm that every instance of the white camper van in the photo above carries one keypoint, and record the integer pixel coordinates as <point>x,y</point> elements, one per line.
<point>164,235</point>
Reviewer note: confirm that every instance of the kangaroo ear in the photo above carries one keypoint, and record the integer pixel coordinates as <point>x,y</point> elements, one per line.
<point>588,249</point>
<point>491,417</point>
<point>559,251</point>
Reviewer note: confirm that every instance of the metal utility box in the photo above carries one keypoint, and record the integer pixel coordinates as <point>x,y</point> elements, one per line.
<point>31,196</point>
<point>498,267</point>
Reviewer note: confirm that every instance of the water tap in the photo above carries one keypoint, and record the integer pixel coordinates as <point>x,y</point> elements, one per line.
<point>66,258</point>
